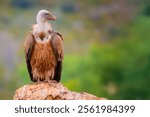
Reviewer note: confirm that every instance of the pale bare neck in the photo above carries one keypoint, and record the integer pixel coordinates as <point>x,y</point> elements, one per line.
<point>43,26</point>
<point>42,23</point>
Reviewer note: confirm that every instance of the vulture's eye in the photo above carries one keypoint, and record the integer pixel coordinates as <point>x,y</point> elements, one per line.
<point>46,13</point>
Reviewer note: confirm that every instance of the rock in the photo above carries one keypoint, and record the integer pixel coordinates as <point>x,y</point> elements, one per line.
<point>52,91</point>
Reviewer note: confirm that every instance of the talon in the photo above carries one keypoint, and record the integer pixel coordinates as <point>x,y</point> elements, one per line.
<point>38,82</point>
<point>54,81</point>
<point>50,81</point>
<point>45,81</point>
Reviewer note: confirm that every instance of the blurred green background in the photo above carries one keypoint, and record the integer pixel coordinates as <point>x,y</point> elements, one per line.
<point>107,45</point>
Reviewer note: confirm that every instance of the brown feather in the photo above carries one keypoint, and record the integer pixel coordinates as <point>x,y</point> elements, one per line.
<point>41,35</point>
<point>43,61</point>
<point>28,49</point>
<point>57,46</point>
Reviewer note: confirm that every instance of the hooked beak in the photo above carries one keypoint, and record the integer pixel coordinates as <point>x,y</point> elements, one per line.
<point>52,17</point>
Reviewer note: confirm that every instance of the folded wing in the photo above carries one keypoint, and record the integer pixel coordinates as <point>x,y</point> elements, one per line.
<point>28,49</point>
<point>57,45</point>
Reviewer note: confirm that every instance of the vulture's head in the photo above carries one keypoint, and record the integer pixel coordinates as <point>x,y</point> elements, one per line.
<point>44,16</point>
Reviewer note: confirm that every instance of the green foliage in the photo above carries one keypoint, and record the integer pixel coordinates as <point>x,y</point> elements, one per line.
<point>23,75</point>
<point>125,63</point>
<point>78,75</point>
<point>116,70</point>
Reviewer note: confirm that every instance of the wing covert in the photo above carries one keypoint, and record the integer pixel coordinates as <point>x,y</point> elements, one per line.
<point>28,49</point>
<point>57,45</point>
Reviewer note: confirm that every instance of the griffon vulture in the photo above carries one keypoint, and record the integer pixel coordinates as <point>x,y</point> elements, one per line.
<point>43,49</point>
